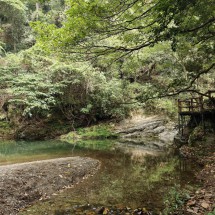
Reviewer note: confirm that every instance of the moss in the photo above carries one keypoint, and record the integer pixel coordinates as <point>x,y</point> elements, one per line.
<point>70,137</point>
<point>196,134</point>
<point>94,132</point>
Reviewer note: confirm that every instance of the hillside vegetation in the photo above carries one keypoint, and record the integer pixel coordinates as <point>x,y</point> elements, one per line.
<point>77,62</point>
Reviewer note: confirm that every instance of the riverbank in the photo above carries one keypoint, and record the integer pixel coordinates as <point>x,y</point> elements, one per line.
<point>202,200</point>
<point>200,150</point>
<point>22,184</point>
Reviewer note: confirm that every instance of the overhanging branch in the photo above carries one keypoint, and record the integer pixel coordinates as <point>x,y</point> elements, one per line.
<point>187,88</point>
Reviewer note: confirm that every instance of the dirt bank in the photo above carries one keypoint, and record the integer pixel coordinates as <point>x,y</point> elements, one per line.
<point>22,184</point>
<point>202,201</point>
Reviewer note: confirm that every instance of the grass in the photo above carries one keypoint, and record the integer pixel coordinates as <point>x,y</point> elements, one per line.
<point>91,133</point>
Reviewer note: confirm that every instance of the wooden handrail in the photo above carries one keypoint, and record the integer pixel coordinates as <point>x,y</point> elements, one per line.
<point>194,104</point>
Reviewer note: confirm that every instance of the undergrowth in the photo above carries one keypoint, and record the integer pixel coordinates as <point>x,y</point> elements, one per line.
<point>175,199</point>
<point>94,132</point>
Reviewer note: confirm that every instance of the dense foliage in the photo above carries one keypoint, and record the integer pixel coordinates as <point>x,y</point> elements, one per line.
<point>93,60</point>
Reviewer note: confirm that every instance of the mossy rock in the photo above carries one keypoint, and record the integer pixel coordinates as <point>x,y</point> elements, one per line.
<point>198,133</point>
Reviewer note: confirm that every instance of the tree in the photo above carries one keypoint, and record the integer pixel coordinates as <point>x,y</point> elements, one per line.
<point>12,21</point>
<point>113,30</point>
<point>35,86</point>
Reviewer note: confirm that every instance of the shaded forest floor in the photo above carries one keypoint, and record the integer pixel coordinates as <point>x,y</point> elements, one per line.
<point>202,201</point>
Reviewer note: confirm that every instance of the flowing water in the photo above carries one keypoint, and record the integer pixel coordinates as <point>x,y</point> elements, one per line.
<point>131,175</point>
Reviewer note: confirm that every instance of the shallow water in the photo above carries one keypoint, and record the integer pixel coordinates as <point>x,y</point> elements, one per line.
<point>131,175</point>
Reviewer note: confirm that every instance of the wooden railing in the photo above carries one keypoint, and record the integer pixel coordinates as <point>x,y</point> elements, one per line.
<point>197,104</point>
<point>190,105</point>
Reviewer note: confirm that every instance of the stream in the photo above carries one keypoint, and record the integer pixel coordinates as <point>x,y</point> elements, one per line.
<point>131,176</point>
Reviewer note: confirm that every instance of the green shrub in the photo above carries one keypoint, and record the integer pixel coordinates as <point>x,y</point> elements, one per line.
<point>94,132</point>
<point>162,106</point>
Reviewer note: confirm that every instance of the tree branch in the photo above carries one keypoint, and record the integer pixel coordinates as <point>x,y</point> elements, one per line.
<point>187,89</point>
<point>199,27</point>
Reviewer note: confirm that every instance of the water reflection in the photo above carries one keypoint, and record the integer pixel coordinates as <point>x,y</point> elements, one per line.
<point>132,175</point>
<point>137,153</point>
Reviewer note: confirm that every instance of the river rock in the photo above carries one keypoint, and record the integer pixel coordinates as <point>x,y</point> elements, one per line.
<point>150,127</point>
<point>167,135</point>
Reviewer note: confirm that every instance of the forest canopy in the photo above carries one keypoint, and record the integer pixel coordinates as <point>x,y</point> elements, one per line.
<point>95,59</point>
<point>112,32</point>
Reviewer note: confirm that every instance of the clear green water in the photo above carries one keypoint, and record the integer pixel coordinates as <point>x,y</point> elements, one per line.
<point>130,176</point>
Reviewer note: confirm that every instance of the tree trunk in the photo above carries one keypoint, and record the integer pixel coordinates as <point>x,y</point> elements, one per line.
<point>37,10</point>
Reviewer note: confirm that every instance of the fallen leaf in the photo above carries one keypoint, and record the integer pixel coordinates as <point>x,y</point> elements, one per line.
<point>105,211</point>
<point>196,209</point>
<point>191,211</point>
<point>191,202</point>
<point>205,205</point>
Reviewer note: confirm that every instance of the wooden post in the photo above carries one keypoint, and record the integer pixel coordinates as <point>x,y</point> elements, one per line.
<point>201,104</point>
<point>179,123</point>
<point>179,105</point>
